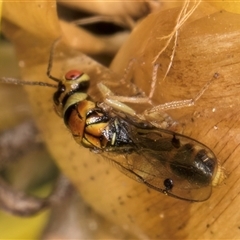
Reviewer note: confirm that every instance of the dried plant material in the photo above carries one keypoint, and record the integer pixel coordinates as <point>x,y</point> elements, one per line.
<point>125,23</point>
<point>18,139</point>
<point>21,204</point>
<point>183,16</point>
<point>124,9</point>
<point>76,37</point>
<point>33,53</point>
<point>13,11</point>
<point>14,110</point>
<point>230,6</point>
<point>92,44</point>
<point>206,44</point>
<point>122,14</point>
<point>72,219</point>
<point>0,14</point>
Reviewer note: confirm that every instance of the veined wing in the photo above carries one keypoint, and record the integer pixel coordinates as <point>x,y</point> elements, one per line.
<point>173,164</point>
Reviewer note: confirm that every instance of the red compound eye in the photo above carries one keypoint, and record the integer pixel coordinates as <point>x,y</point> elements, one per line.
<point>73,75</point>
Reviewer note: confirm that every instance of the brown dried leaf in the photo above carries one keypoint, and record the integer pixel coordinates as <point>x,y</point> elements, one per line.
<point>125,9</point>
<point>207,43</point>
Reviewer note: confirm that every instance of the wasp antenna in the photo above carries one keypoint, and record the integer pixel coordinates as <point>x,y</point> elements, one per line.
<point>49,68</point>
<point>19,82</point>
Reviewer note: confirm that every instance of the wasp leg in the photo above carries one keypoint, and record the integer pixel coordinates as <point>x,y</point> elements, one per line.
<point>126,80</point>
<point>117,102</point>
<point>112,102</point>
<point>181,103</point>
<point>107,93</point>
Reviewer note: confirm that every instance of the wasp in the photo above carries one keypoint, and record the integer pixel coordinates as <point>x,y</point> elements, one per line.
<point>173,164</point>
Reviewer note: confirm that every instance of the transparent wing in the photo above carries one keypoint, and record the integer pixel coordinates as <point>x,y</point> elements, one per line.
<point>170,163</point>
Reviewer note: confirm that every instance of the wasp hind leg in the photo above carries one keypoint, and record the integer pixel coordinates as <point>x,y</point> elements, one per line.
<point>182,103</point>
<point>158,117</point>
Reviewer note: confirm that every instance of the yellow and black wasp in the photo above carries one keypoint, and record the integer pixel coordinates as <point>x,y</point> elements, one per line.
<point>168,162</point>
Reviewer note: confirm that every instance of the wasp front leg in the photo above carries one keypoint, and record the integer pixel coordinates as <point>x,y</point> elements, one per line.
<point>114,100</point>
<point>159,119</point>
